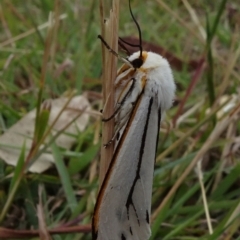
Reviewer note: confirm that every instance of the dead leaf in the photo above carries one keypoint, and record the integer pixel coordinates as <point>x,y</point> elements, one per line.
<point>12,140</point>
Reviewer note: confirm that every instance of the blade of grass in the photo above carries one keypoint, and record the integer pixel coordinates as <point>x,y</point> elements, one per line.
<point>233,223</point>
<point>77,164</point>
<point>180,20</point>
<point>65,178</point>
<point>43,121</point>
<point>224,224</point>
<point>182,225</point>
<point>226,183</point>
<point>110,30</point>
<point>29,32</point>
<point>158,221</point>
<point>17,176</point>
<point>211,31</point>
<point>217,19</point>
<point>210,68</point>
<point>42,79</point>
<point>204,197</point>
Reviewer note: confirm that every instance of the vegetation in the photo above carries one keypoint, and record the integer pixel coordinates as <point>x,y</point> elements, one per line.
<point>50,49</point>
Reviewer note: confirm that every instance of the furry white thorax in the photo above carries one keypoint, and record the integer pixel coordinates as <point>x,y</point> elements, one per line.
<point>159,76</point>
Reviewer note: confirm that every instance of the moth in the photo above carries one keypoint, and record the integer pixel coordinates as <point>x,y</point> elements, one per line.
<point>144,90</point>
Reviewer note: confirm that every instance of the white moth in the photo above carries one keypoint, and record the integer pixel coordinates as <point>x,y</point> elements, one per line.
<point>144,90</point>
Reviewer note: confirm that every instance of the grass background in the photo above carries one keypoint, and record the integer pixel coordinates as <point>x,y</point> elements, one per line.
<point>30,61</point>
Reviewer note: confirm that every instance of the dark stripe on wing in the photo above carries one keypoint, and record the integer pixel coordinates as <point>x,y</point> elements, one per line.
<point>130,230</point>
<point>147,216</point>
<point>129,200</point>
<point>123,237</point>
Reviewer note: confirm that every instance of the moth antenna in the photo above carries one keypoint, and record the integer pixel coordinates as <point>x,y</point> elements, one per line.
<point>130,44</point>
<point>123,47</point>
<point>139,30</point>
<point>113,52</point>
<point>107,46</point>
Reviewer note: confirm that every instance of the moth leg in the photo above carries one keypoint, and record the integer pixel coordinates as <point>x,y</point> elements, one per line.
<point>122,100</point>
<point>115,136</point>
<point>121,122</point>
<point>114,114</point>
<point>121,119</point>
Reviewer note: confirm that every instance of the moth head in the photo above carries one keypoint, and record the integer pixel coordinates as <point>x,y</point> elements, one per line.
<point>137,62</point>
<point>138,59</point>
<point>148,61</point>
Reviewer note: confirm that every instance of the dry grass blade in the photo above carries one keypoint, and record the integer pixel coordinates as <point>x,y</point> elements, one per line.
<point>29,32</point>
<point>197,74</point>
<point>231,228</point>
<point>229,69</point>
<point>227,149</point>
<point>195,18</point>
<point>204,197</point>
<point>182,22</point>
<point>110,35</point>
<point>43,233</point>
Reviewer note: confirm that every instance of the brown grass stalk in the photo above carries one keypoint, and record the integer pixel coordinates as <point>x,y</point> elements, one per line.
<point>109,28</point>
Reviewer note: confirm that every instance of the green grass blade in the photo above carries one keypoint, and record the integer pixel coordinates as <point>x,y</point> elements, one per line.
<point>156,226</point>
<point>211,31</point>
<point>77,164</point>
<point>226,183</point>
<point>14,182</point>
<point>221,8</point>
<point>210,70</point>
<point>65,178</point>
<point>182,225</point>
<point>42,122</point>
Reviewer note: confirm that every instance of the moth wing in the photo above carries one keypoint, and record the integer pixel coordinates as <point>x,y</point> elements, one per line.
<point>124,210</point>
